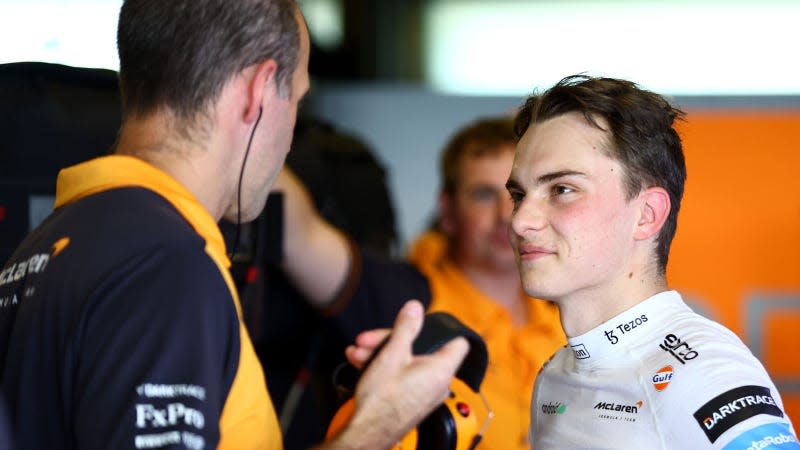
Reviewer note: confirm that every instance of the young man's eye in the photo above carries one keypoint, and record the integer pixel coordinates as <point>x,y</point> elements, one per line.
<point>516,197</point>
<point>560,189</point>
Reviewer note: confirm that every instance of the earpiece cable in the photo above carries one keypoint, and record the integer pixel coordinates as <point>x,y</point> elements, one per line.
<point>239,188</point>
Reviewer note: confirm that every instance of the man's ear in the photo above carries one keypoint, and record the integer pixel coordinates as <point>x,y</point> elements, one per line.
<point>446,211</point>
<point>262,83</point>
<point>654,209</point>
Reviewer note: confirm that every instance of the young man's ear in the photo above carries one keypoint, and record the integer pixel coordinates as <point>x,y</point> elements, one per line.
<point>654,210</point>
<point>262,82</point>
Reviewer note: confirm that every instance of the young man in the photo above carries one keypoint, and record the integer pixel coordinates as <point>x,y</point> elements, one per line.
<point>472,273</point>
<point>468,267</point>
<point>119,323</point>
<point>596,184</point>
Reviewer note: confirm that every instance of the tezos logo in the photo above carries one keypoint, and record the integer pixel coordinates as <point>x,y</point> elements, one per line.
<point>625,328</point>
<point>554,408</point>
<point>662,378</point>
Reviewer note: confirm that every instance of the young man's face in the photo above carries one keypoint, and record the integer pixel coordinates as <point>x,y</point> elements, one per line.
<point>476,216</point>
<point>572,227</point>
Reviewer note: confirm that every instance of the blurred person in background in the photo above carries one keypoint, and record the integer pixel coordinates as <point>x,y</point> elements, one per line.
<point>464,266</point>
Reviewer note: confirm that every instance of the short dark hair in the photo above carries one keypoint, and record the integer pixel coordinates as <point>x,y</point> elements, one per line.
<point>641,135</point>
<point>179,54</point>
<point>482,136</point>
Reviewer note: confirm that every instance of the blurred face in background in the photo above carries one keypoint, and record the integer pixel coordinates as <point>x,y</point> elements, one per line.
<point>477,214</point>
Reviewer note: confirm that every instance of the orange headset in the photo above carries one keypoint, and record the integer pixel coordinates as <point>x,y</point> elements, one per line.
<point>454,425</point>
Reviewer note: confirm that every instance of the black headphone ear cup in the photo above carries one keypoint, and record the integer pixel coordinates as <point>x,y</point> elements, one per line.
<point>454,425</point>
<point>438,430</point>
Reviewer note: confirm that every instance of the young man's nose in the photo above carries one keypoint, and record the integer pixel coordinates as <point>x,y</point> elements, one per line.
<point>528,217</point>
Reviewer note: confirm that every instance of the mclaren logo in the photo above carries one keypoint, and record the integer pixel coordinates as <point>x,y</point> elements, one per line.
<point>633,409</point>
<point>18,270</point>
<point>618,411</point>
<point>59,246</point>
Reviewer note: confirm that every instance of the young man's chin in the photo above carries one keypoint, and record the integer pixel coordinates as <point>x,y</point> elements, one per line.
<point>536,283</point>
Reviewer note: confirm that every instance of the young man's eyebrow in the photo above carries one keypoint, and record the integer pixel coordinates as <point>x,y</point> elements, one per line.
<point>546,178</point>
<point>542,179</point>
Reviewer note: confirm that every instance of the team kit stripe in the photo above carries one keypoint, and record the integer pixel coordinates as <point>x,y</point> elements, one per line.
<point>771,436</point>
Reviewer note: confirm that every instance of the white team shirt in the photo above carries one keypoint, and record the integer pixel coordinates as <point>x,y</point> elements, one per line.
<point>658,376</point>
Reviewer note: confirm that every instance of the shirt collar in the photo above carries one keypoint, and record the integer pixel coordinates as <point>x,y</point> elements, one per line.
<point>614,338</point>
<point>117,171</point>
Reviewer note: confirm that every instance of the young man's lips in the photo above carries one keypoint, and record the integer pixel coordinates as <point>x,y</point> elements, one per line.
<point>529,251</point>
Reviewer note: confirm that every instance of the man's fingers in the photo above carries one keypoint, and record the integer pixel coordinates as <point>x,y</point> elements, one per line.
<point>452,354</point>
<point>372,338</point>
<point>357,356</point>
<point>407,324</point>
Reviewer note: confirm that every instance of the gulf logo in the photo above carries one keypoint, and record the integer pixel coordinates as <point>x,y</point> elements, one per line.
<point>662,378</point>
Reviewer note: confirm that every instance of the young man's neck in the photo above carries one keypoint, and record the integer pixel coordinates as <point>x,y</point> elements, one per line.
<point>585,310</point>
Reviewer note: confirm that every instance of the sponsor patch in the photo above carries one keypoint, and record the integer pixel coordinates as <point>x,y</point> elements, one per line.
<point>624,327</point>
<point>580,351</point>
<point>59,246</point>
<point>735,406</point>
<point>618,411</point>
<point>678,348</point>
<point>771,436</point>
<point>662,378</point>
<point>554,408</point>
<point>166,415</point>
<point>20,269</point>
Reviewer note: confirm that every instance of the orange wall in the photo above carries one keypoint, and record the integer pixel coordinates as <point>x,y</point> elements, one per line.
<point>736,255</point>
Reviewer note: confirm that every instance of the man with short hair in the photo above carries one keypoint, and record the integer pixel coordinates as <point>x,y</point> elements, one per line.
<point>596,185</point>
<point>120,323</point>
